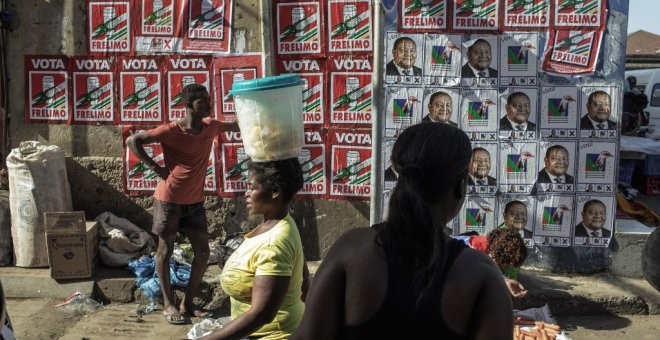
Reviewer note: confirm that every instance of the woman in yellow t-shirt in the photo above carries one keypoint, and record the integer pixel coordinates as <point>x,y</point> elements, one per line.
<point>266,276</point>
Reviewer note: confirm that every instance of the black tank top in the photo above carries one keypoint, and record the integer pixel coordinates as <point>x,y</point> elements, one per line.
<point>395,319</point>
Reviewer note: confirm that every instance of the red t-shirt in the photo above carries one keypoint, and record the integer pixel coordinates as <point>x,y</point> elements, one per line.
<point>479,243</point>
<point>186,156</point>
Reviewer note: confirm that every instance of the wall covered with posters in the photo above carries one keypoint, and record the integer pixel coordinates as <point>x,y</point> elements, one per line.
<point>537,87</point>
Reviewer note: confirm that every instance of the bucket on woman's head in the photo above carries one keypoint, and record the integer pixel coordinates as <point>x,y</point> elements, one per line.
<point>269,112</point>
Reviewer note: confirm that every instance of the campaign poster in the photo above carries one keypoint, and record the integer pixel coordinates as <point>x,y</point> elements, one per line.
<point>600,112</point>
<point>479,114</point>
<point>483,169</point>
<point>559,112</point>
<point>389,176</point>
<point>234,169</point>
<point>313,73</point>
<point>182,71</point>
<point>557,163</point>
<point>441,105</point>
<point>572,52</point>
<point>519,53</point>
<point>350,163</point>
<point>477,214</point>
<point>312,159</point>
<point>403,108</point>
<point>140,90</point>
<point>597,167</point>
<point>518,212</point>
<point>442,63</point>
<point>423,16</point>
<point>351,98</point>
<point>517,166</point>
<point>47,89</point>
<point>594,220</point>
<point>480,61</point>
<point>569,14</point>
<point>208,26</point>
<point>109,30</point>
<point>299,28</point>
<point>518,113</point>
<point>526,15</point>
<point>93,90</point>
<point>554,220</point>
<point>405,58</point>
<point>350,26</point>
<point>226,70</point>
<point>158,17</point>
<point>471,15</point>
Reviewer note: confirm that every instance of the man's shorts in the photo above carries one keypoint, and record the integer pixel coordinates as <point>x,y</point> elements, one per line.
<point>169,218</point>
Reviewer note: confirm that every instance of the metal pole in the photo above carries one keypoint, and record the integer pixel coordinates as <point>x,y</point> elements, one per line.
<point>375,209</point>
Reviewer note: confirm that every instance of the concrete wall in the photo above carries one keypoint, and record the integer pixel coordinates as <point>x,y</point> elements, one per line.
<point>94,152</point>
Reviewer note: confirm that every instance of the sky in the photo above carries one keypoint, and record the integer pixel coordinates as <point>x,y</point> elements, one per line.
<point>643,15</point>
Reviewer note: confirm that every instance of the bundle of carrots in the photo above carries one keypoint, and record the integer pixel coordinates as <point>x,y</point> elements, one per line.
<point>534,330</point>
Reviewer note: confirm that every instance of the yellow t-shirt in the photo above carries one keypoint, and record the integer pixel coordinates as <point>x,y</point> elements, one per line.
<point>277,252</point>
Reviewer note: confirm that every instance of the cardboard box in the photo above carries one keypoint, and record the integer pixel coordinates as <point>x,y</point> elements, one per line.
<point>73,255</point>
<point>70,221</point>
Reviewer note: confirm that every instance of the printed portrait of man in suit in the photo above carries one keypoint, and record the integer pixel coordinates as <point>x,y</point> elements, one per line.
<point>556,164</point>
<point>518,109</point>
<point>404,54</point>
<point>440,108</point>
<point>594,216</point>
<point>515,217</point>
<point>599,109</point>
<point>479,168</point>
<point>479,57</point>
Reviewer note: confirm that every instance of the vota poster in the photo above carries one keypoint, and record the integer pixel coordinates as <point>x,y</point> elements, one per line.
<point>47,89</point>
<point>140,96</point>
<point>183,70</point>
<point>228,69</point>
<point>93,90</point>
<point>350,163</point>
<point>351,92</point>
<point>208,26</point>
<point>234,169</point>
<point>313,73</point>
<point>299,28</point>
<point>109,28</point>
<point>423,16</point>
<point>312,159</point>
<point>350,26</point>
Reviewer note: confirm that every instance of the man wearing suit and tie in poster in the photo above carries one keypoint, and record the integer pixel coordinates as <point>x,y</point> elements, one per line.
<point>556,164</point>
<point>518,109</point>
<point>440,109</point>
<point>479,58</point>
<point>515,217</point>
<point>593,220</point>
<point>479,168</point>
<point>598,113</point>
<point>404,54</point>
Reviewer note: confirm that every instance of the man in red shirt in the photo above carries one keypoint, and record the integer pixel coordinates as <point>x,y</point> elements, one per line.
<point>179,196</point>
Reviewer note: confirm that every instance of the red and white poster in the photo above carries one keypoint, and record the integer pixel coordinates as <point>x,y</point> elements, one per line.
<point>526,15</point>
<point>313,74</point>
<point>471,15</point>
<point>109,28</point>
<point>312,159</point>
<point>572,52</point>
<point>208,24</point>
<point>350,26</point>
<point>93,90</point>
<point>140,96</point>
<point>228,69</point>
<point>350,90</point>
<point>580,14</point>
<point>182,71</point>
<point>47,89</point>
<point>423,16</point>
<point>299,28</point>
<point>350,163</point>
<point>139,179</point>
<point>158,17</point>
<point>234,164</point>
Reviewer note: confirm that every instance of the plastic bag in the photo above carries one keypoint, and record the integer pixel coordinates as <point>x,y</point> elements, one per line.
<point>206,326</point>
<point>79,304</point>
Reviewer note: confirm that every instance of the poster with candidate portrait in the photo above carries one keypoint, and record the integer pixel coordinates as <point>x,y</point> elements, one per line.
<point>556,162</point>
<point>597,163</point>
<point>312,158</point>
<point>517,166</point>
<point>526,15</point>
<point>403,109</point>
<point>441,105</point>
<point>93,90</point>
<point>350,163</point>
<point>519,54</point>
<point>471,15</point>
<point>480,61</point>
<point>554,220</point>
<point>483,169</point>
<point>559,112</point>
<point>442,60</point>
<point>47,86</point>
<point>518,213</point>
<point>479,114</point>
<point>518,113</point>
<point>350,26</point>
<point>594,220</point>
<point>477,215</point>
<point>600,114</point>
<point>225,71</point>
<point>405,58</point>
<point>423,16</point>
<point>140,94</point>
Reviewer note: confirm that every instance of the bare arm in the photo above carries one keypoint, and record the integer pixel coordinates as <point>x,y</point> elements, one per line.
<point>268,293</point>
<point>305,283</point>
<point>135,144</point>
<point>492,312</point>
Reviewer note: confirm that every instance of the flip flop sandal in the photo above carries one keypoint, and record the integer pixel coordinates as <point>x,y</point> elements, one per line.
<point>170,318</point>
